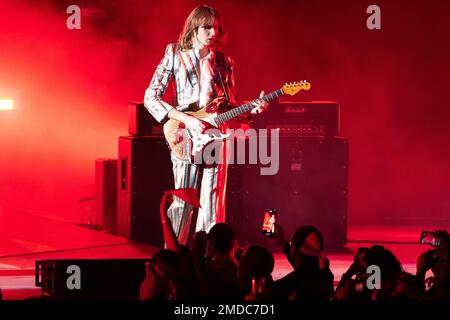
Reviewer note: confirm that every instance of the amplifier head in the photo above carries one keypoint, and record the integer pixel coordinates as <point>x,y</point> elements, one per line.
<point>302,118</point>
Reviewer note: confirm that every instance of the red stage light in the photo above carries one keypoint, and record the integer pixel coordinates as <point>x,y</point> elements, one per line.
<point>6,104</point>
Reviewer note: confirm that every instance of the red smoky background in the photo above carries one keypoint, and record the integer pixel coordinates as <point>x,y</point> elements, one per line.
<point>70,90</point>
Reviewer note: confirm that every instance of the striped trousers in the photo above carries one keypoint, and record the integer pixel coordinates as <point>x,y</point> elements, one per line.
<point>211,183</point>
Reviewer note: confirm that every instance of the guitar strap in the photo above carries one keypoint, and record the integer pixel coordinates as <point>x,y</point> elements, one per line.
<point>220,77</point>
<point>174,72</point>
<point>175,61</point>
<point>220,61</point>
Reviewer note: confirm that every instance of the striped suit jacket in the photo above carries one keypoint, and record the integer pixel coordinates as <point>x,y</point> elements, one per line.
<point>195,82</point>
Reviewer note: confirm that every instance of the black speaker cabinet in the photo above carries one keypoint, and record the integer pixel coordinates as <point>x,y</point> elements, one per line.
<point>144,171</point>
<point>309,188</point>
<point>106,193</point>
<point>90,279</point>
<point>141,122</point>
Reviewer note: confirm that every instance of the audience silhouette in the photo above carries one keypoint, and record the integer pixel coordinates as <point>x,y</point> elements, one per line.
<point>214,268</point>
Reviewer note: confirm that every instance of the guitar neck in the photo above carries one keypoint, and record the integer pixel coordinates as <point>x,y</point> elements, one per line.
<point>246,107</point>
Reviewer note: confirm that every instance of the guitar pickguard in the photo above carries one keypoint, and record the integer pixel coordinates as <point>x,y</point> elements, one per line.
<point>201,140</point>
<point>188,144</point>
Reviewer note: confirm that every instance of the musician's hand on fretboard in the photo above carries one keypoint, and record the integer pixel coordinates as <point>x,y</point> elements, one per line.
<point>260,105</point>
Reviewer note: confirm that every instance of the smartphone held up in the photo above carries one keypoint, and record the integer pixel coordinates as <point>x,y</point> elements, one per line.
<point>431,238</point>
<point>270,217</point>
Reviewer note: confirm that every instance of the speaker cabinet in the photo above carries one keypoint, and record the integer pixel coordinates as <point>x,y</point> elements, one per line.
<point>90,279</point>
<point>144,171</point>
<point>309,188</point>
<point>106,193</point>
<point>141,122</point>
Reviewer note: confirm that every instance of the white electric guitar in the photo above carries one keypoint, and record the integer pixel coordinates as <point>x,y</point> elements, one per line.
<point>187,144</point>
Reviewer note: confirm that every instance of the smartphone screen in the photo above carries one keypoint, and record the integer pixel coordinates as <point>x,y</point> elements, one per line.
<point>428,237</point>
<point>270,216</point>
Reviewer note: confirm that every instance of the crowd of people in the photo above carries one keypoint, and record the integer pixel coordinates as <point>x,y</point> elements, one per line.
<point>214,268</point>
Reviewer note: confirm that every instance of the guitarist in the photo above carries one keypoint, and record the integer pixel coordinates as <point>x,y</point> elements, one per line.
<point>199,75</point>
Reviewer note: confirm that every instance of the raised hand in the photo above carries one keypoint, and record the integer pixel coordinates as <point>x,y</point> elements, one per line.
<point>279,235</point>
<point>165,203</point>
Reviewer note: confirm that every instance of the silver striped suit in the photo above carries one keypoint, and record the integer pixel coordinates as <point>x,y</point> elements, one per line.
<point>195,84</point>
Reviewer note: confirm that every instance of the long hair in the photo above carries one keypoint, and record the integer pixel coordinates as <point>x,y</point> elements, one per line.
<point>201,16</point>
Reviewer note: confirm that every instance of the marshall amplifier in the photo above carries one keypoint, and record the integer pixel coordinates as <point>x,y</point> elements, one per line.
<point>141,122</point>
<point>297,118</point>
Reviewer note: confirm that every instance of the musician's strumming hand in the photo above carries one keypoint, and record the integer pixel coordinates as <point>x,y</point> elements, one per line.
<point>195,124</point>
<point>260,104</point>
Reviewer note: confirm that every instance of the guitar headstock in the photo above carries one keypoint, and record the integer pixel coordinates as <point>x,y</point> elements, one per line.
<point>293,87</point>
